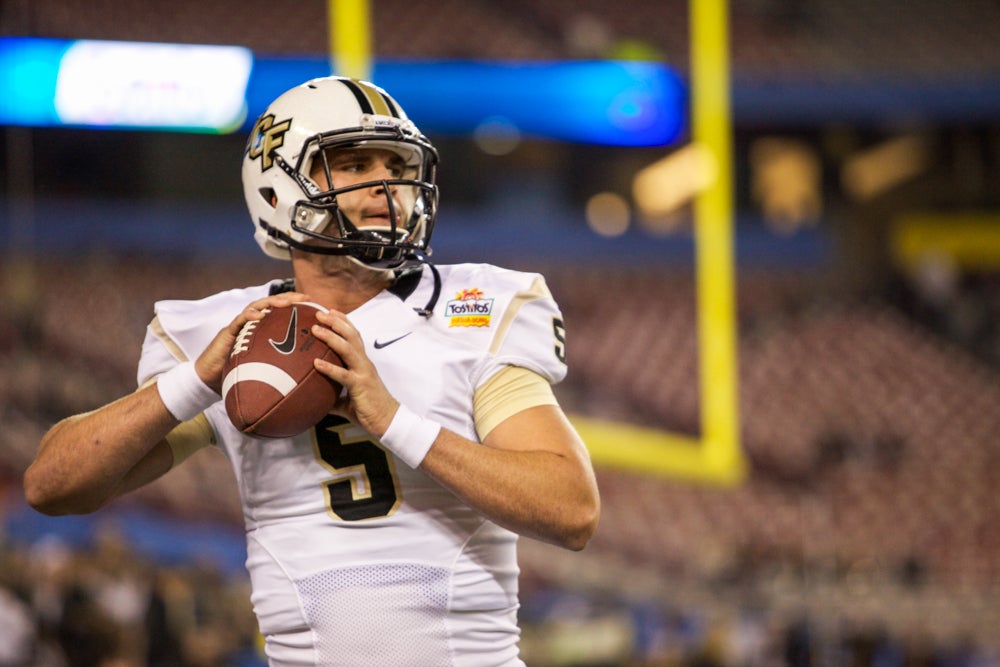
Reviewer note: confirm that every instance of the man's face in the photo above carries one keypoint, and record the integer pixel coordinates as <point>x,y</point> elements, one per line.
<point>365,207</point>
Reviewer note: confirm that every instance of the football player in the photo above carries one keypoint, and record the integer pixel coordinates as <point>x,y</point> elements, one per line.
<point>386,534</point>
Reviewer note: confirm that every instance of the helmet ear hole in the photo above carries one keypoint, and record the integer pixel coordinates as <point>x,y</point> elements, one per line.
<point>268,195</point>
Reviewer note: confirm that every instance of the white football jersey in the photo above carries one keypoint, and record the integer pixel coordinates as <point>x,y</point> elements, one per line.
<point>354,557</point>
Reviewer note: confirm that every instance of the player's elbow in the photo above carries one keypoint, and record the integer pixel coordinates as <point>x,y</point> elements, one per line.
<point>56,505</point>
<point>38,493</point>
<point>583,525</point>
<point>45,494</point>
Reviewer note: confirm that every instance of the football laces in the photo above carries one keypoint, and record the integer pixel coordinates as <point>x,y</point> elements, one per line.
<point>242,342</point>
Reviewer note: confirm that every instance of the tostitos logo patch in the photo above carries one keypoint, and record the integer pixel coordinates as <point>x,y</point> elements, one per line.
<point>469,308</point>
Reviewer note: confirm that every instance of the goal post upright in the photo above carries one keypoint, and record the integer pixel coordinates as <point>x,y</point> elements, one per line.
<point>716,455</point>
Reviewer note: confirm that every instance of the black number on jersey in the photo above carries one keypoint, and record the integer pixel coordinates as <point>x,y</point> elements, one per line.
<point>363,486</point>
<point>559,330</point>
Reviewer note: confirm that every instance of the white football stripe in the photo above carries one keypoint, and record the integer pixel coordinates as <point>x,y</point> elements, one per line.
<point>266,373</point>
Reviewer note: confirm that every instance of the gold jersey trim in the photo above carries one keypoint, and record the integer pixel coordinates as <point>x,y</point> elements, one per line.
<point>538,290</point>
<point>161,333</point>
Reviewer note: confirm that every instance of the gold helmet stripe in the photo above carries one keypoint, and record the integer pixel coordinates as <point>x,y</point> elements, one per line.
<point>370,99</point>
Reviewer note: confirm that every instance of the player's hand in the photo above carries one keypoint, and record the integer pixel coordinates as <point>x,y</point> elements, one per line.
<point>209,364</point>
<point>367,402</point>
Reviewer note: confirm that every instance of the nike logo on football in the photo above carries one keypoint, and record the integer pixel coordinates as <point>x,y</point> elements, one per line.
<point>380,344</point>
<point>287,346</point>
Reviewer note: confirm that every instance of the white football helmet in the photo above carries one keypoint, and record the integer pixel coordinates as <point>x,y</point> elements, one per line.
<point>290,210</point>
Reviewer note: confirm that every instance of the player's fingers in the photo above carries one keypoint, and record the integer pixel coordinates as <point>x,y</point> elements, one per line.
<point>335,342</point>
<point>275,301</point>
<point>255,310</point>
<point>337,322</point>
<point>339,374</point>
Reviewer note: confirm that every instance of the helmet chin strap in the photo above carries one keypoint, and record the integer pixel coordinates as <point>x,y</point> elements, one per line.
<point>428,309</point>
<point>368,246</point>
<point>351,232</point>
<point>286,239</point>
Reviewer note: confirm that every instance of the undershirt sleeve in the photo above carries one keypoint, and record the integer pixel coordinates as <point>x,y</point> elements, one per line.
<point>505,394</point>
<point>188,437</point>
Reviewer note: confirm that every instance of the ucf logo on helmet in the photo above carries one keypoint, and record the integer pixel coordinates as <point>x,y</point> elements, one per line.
<point>266,137</point>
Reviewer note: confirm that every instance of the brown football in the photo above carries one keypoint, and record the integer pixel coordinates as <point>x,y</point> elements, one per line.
<point>269,383</point>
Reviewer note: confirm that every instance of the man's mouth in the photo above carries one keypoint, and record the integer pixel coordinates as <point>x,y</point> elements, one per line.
<point>377,218</point>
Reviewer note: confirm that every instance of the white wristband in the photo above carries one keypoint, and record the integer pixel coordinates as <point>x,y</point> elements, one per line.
<point>410,436</point>
<point>183,392</point>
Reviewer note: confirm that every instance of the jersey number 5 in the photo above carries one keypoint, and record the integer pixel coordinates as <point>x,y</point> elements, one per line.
<point>363,485</point>
<point>559,331</point>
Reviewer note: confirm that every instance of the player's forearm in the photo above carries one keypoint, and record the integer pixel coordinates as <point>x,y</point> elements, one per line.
<point>538,494</point>
<point>85,461</point>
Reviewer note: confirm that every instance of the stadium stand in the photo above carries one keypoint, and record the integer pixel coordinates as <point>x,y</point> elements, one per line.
<point>841,38</point>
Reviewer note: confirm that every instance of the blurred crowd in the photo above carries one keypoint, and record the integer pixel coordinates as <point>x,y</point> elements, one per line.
<point>103,604</point>
<point>594,632</point>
